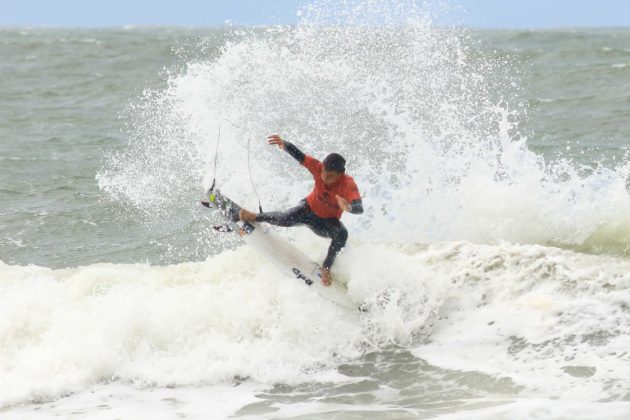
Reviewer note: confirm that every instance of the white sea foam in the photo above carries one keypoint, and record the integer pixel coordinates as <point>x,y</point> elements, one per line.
<point>191,323</point>
<point>123,401</point>
<point>552,321</point>
<point>229,317</point>
<point>525,409</point>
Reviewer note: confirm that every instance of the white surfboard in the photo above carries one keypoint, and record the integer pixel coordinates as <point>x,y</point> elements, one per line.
<point>286,257</point>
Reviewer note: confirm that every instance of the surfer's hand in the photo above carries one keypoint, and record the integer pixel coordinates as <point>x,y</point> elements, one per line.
<point>325,275</point>
<point>343,203</point>
<point>276,139</point>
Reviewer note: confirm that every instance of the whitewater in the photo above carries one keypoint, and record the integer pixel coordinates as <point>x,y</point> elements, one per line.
<point>493,256</point>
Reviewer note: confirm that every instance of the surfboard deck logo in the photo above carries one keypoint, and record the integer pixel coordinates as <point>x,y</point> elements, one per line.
<point>301,276</point>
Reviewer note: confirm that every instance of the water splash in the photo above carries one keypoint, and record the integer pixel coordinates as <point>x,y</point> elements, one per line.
<point>427,121</point>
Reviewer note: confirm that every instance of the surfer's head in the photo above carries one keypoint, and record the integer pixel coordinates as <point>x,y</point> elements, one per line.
<point>334,167</point>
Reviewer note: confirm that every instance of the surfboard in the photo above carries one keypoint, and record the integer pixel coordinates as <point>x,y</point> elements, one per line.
<point>278,250</point>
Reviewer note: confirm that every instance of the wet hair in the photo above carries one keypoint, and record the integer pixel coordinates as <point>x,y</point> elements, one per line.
<point>335,162</point>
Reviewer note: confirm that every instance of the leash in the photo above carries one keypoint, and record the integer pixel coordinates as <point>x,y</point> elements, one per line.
<point>249,169</point>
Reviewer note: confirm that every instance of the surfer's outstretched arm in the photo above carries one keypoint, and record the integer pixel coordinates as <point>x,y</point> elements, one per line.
<point>296,153</point>
<point>290,148</point>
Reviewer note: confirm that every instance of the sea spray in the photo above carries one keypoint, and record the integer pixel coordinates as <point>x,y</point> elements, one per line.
<point>430,129</point>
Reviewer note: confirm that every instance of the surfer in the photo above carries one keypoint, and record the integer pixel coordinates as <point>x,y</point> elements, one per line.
<point>334,192</point>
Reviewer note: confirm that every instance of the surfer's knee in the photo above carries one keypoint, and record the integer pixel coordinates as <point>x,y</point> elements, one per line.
<point>341,236</point>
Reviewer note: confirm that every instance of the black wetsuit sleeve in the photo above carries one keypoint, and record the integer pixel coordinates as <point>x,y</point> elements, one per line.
<point>296,153</point>
<point>357,206</point>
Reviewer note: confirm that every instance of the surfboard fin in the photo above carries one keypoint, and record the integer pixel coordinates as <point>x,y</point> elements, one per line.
<point>223,228</point>
<point>246,229</point>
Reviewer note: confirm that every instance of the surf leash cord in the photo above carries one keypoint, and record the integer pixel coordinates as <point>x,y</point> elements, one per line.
<point>249,169</point>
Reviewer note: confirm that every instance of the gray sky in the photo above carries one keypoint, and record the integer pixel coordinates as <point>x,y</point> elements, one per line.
<point>479,13</point>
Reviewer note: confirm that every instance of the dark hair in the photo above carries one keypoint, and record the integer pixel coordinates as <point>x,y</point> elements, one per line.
<point>335,162</point>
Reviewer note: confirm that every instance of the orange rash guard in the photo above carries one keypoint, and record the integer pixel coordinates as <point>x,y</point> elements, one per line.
<point>322,200</point>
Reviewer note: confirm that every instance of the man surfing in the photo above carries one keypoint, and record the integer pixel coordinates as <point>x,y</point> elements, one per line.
<point>334,192</point>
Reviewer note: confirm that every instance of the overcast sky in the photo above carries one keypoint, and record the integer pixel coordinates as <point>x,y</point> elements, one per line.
<point>479,13</point>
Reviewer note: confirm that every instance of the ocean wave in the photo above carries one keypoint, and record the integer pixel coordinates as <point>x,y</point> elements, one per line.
<point>233,316</point>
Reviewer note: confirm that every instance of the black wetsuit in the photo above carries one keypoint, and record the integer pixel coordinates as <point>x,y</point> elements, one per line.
<point>302,215</point>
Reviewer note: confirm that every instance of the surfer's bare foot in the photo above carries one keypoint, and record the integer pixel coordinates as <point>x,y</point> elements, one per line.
<point>325,274</point>
<point>247,216</point>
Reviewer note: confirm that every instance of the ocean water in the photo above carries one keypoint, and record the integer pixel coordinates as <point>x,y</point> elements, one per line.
<point>494,170</point>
